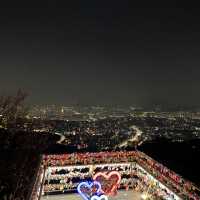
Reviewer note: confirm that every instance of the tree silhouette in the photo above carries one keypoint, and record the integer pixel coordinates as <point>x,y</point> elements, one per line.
<point>12,107</point>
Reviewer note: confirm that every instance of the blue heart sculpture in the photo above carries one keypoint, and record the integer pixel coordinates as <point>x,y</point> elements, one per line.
<point>89,187</point>
<point>102,197</point>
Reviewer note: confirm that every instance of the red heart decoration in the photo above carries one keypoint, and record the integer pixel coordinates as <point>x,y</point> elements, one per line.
<point>109,182</point>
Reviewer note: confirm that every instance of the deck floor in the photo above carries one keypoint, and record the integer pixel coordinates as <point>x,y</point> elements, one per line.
<point>122,195</point>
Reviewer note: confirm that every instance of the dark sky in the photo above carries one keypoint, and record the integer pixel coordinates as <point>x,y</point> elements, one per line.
<point>101,52</point>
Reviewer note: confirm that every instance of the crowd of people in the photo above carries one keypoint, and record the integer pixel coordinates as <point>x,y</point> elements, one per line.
<point>164,175</point>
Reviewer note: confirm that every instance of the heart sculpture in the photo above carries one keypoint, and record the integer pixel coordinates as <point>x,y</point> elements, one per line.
<point>87,190</point>
<point>102,197</point>
<point>109,182</point>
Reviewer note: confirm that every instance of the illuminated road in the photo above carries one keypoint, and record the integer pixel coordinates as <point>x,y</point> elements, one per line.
<point>134,138</point>
<point>122,195</point>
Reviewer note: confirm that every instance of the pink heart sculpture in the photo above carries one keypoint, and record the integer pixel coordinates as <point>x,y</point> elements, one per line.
<point>109,182</point>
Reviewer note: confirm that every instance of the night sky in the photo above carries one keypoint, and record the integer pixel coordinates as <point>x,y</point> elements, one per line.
<point>101,52</point>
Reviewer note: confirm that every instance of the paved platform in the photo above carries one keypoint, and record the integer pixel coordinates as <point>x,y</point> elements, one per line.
<point>122,195</point>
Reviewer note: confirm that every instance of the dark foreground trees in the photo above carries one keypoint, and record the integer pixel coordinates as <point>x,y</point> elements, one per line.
<point>12,108</point>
